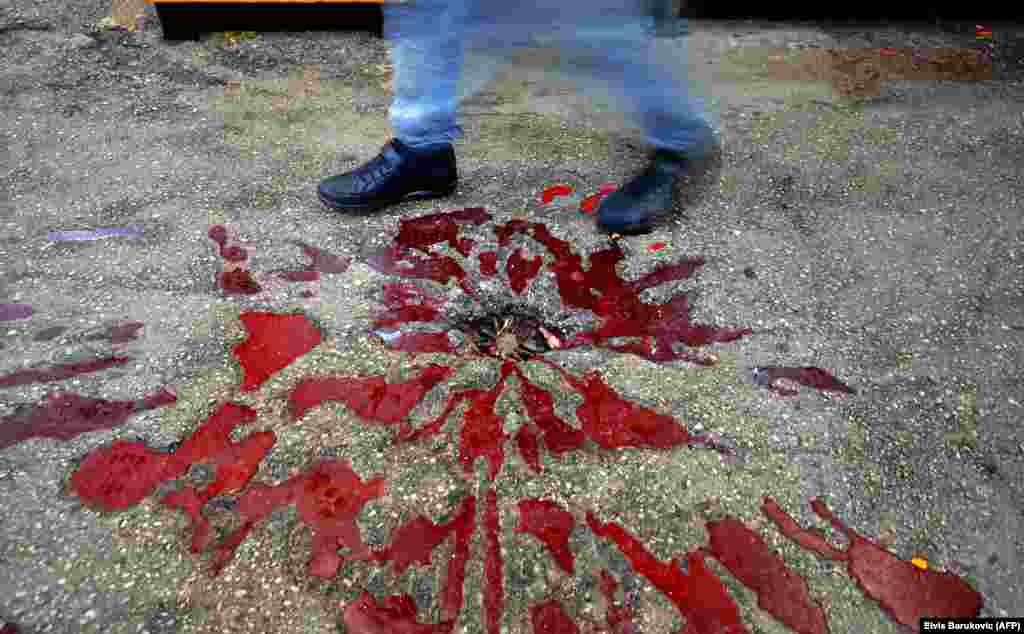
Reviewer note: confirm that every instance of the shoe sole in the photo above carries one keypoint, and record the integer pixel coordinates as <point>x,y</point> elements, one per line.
<point>381,204</point>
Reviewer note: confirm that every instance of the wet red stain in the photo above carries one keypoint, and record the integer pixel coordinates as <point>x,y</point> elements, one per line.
<point>698,594</point>
<point>330,496</point>
<point>274,342</point>
<point>494,566</point>
<point>551,524</point>
<point>780,591</point>
<point>590,204</point>
<point>320,261</point>
<point>553,192</point>
<point>393,615</point>
<point>372,398</point>
<point>64,416</point>
<point>488,263</point>
<point>809,376</point>
<point>60,372</point>
<point>521,271</point>
<point>905,592</point>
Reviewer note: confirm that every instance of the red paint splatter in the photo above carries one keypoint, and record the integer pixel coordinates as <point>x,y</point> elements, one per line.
<point>119,476</point>
<point>591,203</point>
<point>494,595</point>
<point>274,342</point>
<point>809,376</point>
<point>483,434</point>
<point>550,524</point>
<point>521,271</point>
<point>394,615</point>
<point>488,263</point>
<point>780,591</point>
<point>60,372</point>
<point>372,398</point>
<point>904,591</point>
<point>328,498</point>
<point>657,246</point>
<point>549,617</point>
<point>619,619</point>
<point>407,303</point>
<point>237,280</point>
<point>657,327</point>
<point>553,192</point>
<point>557,435</point>
<point>698,595</point>
<point>424,231</point>
<point>64,416</point>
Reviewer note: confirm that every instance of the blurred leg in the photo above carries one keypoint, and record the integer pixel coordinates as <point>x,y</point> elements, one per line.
<point>427,56</point>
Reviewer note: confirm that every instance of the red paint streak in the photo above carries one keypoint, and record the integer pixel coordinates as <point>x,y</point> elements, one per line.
<point>904,591</point>
<point>483,435</point>
<point>60,372</point>
<point>219,234</point>
<point>809,376</point>
<point>300,276</point>
<point>396,260</point>
<point>619,619</point>
<point>699,595</point>
<point>452,595</point>
<point>394,615</point>
<point>613,422</point>
<point>64,415</point>
<point>550,618</point>
<point>529,448</point>
<point>119,476</point>
<point>234,254</point>
<point>780,591</point>
<point>488,263</point>
<point>274,342</point>
<point>551,524</point>
<point>494,595</point>
<point>558,436</point>
<point>553,192</point>
<point>521,271</point>
<point>657,246</point>
<point>372,398</point>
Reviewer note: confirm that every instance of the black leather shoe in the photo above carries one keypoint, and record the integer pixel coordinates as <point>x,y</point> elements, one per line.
<point>397,174</point>
<point>632,208</point>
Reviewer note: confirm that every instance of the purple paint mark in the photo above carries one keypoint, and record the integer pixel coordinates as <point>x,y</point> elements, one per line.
<point>86,235</point>
<point>10,312</point>
<point>59,372</point>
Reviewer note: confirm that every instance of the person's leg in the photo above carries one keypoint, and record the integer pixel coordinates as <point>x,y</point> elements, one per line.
<point>642,75</point>
<point>427,56</point>
<point>645,77</point>
<point>419,161</point>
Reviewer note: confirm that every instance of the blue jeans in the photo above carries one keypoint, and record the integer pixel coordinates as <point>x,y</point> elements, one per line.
<point>604,45</point>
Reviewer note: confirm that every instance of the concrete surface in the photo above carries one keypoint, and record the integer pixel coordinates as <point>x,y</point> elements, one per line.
<point>882,232</point>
